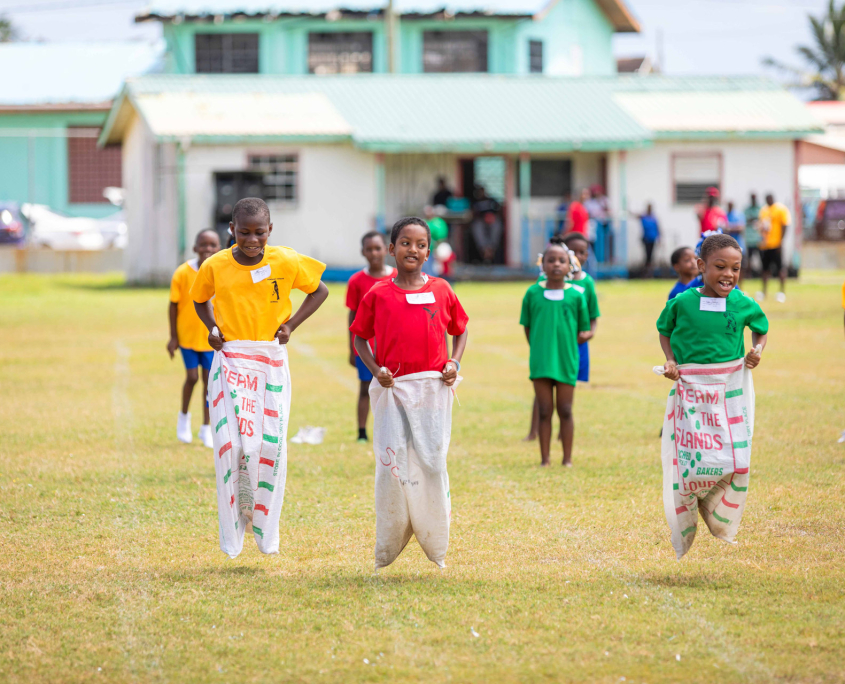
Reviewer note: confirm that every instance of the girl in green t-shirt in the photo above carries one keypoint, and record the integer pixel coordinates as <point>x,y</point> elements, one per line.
<point>707,324</point>
<point>556,320</point>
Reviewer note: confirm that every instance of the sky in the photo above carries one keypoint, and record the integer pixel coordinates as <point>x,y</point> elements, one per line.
<point>725,37</point>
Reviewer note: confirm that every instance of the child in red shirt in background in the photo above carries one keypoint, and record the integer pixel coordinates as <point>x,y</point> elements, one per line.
<point>374,249</point>
<point>409,316</point>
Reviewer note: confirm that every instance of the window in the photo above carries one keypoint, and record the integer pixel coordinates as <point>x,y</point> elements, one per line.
<point>90,170</point>
<point>280,176</point>
<point>226,53</point>
<point>692,174</point>
<point>454,51</point>
<point>340,53</point>
<point>549,177</point>
<point>535,56</point>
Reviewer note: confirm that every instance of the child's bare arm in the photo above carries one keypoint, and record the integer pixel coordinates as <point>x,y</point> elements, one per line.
<point>206,313</point>
<point>528,334</point>
<point>384,377</point>
<point>312,302</point>
<point>670,368</point>
<point>459,344</point>
<point>752,358</point>
<point>173,344</point>
<point>350,321</point>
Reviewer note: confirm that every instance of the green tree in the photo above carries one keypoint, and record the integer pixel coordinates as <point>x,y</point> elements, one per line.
<point>8,32</point>
<point>825,57</point>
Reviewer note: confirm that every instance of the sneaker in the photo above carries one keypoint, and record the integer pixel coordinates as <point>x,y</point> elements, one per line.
<point>781,297</point>
<point>183,428</point>
<point>362,440</point>
<point>759,296</point>
<point>204,436</point>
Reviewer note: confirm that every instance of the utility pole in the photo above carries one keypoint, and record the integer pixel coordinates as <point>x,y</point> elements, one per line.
<point>390,32</point>
<point>660,55</point>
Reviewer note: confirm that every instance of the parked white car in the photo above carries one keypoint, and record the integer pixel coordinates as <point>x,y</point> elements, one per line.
<point>51,229</point>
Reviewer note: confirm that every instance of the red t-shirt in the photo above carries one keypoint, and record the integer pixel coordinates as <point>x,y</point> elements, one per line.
<point>359,285</point>
<point>713,218</point>
<point>579,217</point>
<point>410,329</point>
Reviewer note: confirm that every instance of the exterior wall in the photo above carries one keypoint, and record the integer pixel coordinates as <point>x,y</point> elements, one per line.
<point>336,204</point>
<point>576,36</point>
<point>150,182</point>
<point>752,166</point>
<point>411,180</point>
<point>577,40</point>
<point>48,174</point>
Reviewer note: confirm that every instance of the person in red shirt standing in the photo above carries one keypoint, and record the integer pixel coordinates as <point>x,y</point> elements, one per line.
<point>577,217</point>
<point>374,249</point>
<point>713,218</point>
<point>409,316</point>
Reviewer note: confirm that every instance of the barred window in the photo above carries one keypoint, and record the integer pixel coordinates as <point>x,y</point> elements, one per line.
<point>535,56</point>
<point>226,53</point>
<point>340,53</point>
<point>280,176</point>
<point>454,52</point>
<point>692,174</point>
<point>90,170</point>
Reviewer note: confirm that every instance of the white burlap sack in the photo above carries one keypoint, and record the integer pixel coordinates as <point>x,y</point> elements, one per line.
<point>707,431</point>
<point>249,403</point>
<point>413,426</point>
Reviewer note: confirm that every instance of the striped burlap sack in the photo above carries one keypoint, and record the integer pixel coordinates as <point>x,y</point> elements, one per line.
<point>707,431</point>
<point>249,402</point>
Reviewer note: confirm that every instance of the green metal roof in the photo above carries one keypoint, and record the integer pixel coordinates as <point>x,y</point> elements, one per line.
<point>464,113</point>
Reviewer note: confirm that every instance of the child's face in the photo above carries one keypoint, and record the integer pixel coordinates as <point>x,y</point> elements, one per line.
<point>688,265</point>
<point>411,249</point>
<point>581,249</point>
<point>251,233</point>
<point>556,263</point>
<point>721,270</point>
<point>207,244</point>
<point>374,251</point>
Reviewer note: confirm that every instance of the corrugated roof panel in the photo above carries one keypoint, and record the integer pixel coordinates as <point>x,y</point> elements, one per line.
<point>70,73</point>
<point>732,111</point>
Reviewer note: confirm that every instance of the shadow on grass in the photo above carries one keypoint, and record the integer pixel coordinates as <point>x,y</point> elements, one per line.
<point>678,581</point>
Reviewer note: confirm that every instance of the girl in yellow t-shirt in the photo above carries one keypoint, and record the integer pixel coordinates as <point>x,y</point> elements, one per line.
<point>188,334</point>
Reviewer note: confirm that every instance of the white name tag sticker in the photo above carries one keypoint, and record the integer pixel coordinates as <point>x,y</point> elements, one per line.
<point>713,304</point>
<point>420,298</point>
<point>554,295</point>
<point>260,274</point>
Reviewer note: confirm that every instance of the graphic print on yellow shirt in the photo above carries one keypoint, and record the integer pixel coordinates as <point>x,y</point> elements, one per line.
<point>190,330</point>
<point>251,302</point>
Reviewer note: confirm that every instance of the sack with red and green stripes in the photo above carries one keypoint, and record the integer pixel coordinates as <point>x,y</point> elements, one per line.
<point>707,430</point>
<point>249,403</point>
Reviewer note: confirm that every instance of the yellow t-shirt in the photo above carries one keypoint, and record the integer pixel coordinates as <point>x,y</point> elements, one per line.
<point>843,295</point>
<point>190,330</point>
<point>251,302</point>
<point>775,217</point>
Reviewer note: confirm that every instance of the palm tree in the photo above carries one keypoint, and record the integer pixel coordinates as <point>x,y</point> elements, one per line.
<point>8,32</point>
<point>826,57</point>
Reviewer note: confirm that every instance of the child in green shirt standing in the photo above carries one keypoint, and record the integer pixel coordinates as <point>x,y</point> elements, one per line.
<point>556,320</point>
<point>707,324</point>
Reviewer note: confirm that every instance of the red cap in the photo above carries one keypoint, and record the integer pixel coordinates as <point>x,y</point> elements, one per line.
<point>712,192</point>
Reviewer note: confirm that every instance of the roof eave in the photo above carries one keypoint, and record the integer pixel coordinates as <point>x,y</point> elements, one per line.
<point>103,106</point>
<point>343,14</point>
<point>482,147</point>
<point>793,134</point>
<point>116,116</point>
<point>264,139</point>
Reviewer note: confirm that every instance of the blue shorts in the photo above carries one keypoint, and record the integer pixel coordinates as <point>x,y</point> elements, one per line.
<point>584,363</point>
<point>193,358</point>
<point>364,374</point>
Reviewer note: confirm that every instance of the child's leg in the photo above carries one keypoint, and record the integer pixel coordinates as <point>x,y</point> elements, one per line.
<point>535,423</point>
<point>565,397</point>
<point>191,377</point>
<point>545,407</point>
<point>205,396</point>
<point>363,405</point>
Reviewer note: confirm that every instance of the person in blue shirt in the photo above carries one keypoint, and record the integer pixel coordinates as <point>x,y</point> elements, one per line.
<point>736,229</point>
<point>685,263</point>
<point>651,234</point>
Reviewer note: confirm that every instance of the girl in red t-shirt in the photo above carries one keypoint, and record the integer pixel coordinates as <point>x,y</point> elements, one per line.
<point>409,317</point>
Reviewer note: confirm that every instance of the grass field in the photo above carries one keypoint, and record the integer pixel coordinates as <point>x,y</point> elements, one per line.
<point>111,569</point>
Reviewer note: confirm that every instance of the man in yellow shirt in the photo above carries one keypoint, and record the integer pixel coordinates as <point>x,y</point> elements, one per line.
<point>188,334</point>
<point>773,221</point>
<point>251,283</point>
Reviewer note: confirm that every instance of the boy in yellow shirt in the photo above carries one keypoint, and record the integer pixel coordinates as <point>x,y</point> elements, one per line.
<point>251,283</point>
<point>188,334</point>
<point>773,221</point>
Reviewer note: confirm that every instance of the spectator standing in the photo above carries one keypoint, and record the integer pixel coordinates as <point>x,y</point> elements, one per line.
<point>442,194</point>
<point>736,229</point>
<point>713,218</point>
<point>486,224</point>
<point>651,234</point>
<point>774,220</point>
<point>577,217</point>
<point>752,232</point>
<point>598,208</point>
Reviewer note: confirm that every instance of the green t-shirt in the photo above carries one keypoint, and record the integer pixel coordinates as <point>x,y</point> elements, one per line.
<point>554,324</point>
<point>587,287</point>
<point>700,332</point>
<point>752,235</point>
